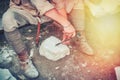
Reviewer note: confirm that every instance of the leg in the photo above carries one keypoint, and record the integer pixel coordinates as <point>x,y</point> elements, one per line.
<point>11,20</point>
<point>77,18</point>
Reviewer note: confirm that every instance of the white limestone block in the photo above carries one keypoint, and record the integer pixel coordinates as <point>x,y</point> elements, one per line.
<point>117,71</point>
<point>52,52</point>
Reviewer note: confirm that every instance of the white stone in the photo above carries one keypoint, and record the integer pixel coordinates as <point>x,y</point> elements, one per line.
<point>117,71</point>
<point>52,52</point>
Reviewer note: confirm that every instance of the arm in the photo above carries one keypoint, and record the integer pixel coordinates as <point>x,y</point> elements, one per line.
<point>69,30</point>
<point>62,12</point>
<point>55,15</point>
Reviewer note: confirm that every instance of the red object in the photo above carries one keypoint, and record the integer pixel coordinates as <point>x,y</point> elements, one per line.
<point>38,33</point>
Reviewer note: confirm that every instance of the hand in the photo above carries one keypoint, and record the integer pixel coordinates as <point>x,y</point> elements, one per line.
<point>68,33</point>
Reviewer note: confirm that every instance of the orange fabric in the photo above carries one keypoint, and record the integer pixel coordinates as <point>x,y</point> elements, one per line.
<point>38,33</point>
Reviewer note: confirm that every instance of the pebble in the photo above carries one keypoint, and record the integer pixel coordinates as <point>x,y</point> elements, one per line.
<point>57,67</point>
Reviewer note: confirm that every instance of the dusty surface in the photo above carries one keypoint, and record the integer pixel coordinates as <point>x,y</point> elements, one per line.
<point>102,34</point>
<point>76,66</point>
<point>79,66</point>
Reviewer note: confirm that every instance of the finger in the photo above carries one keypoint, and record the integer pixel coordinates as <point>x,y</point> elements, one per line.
<point>73,34</point>
<point>66,42</point>
<point>64,37</point>
<point>69,36</point>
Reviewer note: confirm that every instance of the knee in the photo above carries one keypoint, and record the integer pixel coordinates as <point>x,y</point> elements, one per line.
<point>8,21</point>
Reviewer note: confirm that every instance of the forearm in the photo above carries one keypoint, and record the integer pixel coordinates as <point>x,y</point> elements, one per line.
<point>63,12</point>
<point>53,14</point>
<point>60,7</point>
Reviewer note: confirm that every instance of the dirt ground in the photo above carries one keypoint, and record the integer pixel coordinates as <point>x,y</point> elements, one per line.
<point>77,65</point>
<point>103,38</point>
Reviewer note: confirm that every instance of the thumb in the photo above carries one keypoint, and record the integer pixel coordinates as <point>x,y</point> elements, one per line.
<point>64,37</point>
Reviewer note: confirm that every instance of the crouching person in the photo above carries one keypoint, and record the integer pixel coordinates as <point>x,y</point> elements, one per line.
<point>22,12</point>
<point>73,10</point>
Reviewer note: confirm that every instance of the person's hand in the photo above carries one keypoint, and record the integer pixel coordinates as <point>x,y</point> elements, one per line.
<point>68,33</point>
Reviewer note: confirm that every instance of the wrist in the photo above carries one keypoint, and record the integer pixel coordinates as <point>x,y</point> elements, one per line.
<point>66,26</point>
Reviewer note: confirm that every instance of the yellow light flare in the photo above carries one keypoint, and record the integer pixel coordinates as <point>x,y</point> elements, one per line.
<point>104,7</point>
<point>103,24</point>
